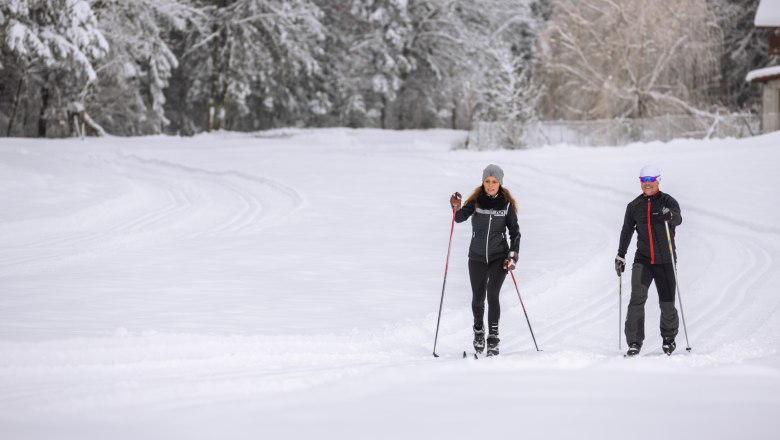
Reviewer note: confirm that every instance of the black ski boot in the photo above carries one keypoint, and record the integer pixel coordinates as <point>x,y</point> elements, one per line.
<point>492,345</point>
<point>479,340</point>
<point>669,346</point>
<point>633,349</point>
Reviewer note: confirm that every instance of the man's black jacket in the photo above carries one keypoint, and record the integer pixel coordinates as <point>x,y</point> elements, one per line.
<point>643,215</point>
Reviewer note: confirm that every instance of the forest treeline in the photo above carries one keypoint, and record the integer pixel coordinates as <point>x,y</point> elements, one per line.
<point>187,66</point>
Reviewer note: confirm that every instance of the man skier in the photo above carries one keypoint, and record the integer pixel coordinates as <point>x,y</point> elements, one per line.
<point>646,215</point>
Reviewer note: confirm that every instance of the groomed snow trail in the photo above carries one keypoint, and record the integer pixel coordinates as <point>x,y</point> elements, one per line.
<point>285,284</point>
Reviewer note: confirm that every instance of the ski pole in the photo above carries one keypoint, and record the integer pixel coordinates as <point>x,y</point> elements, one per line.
<point>524,312</point>
<point>677,283</point>
<point>620,309</point>
<point>446,267</point>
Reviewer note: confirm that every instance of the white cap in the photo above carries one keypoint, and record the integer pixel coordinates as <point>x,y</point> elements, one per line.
<point>649,171</point>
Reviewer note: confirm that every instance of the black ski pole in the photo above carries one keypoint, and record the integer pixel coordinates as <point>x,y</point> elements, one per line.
<point>677,283</point>
<point>446,267</point>
<point>620,309</point>
<point>524,312</point>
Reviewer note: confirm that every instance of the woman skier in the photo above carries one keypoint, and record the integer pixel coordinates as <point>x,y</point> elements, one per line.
<point>493,212</point>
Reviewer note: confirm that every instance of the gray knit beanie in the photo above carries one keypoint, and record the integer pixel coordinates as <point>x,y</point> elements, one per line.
<point>495,171</point>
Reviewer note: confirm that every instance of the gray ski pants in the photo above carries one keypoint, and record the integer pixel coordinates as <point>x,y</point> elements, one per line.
<point>642,275</point>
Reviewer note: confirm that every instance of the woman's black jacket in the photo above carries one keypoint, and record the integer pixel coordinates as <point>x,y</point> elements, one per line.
<point>491,218</point>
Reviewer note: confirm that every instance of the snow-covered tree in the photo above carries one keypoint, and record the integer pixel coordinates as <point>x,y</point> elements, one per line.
<point>489,69</point>
<point>745,48</point>
<point>419,62</point>
<point>246,57</point>
<point>379,52</point>
<point>128,97</point>
<point>508,55</point>
<point>632,58</point>
<point>51,45</point>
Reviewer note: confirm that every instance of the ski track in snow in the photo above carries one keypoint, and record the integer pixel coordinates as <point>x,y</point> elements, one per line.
<point>563,323</point>
<point>276,196</point>
<point>158,206</point>
<point>571,298</point>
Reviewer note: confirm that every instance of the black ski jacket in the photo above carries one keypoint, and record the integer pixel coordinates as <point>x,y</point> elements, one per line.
<point>643,215</point>
<point>489,227</point>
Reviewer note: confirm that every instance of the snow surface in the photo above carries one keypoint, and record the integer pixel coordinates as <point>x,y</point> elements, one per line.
<point>286,285</point>
<point>768,14</point>
<point>762,73</point>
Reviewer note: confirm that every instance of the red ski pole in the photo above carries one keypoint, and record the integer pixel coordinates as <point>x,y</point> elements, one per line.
<point>446,267</point>
<point>524,312</point>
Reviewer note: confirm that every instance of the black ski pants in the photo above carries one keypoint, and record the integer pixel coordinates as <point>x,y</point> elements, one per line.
<point>642,274</point>
<point>486,281</point>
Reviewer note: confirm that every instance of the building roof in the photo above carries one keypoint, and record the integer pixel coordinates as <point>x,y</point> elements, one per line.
<point>768,14</point>
<point>763,75</point>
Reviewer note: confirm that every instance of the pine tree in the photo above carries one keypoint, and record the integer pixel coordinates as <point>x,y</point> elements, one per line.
<point>51,45</point>
<point>128,97</point>
<point>245,57</point>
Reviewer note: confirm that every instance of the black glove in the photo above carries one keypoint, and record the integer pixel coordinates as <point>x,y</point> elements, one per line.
<point>455,200</point>
<point>511,261</point>
<point>620,265</point>
<point>666,214</point>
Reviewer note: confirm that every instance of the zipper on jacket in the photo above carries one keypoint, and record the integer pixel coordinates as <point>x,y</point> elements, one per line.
<point>487,239</point>
<point>650,233</point>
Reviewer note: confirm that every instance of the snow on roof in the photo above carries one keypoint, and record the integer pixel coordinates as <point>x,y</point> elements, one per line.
<point>765,74</point>
<point>768,14</point>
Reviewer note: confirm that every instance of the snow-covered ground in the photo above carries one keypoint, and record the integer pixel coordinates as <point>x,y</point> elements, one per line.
<point>286,285</point>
